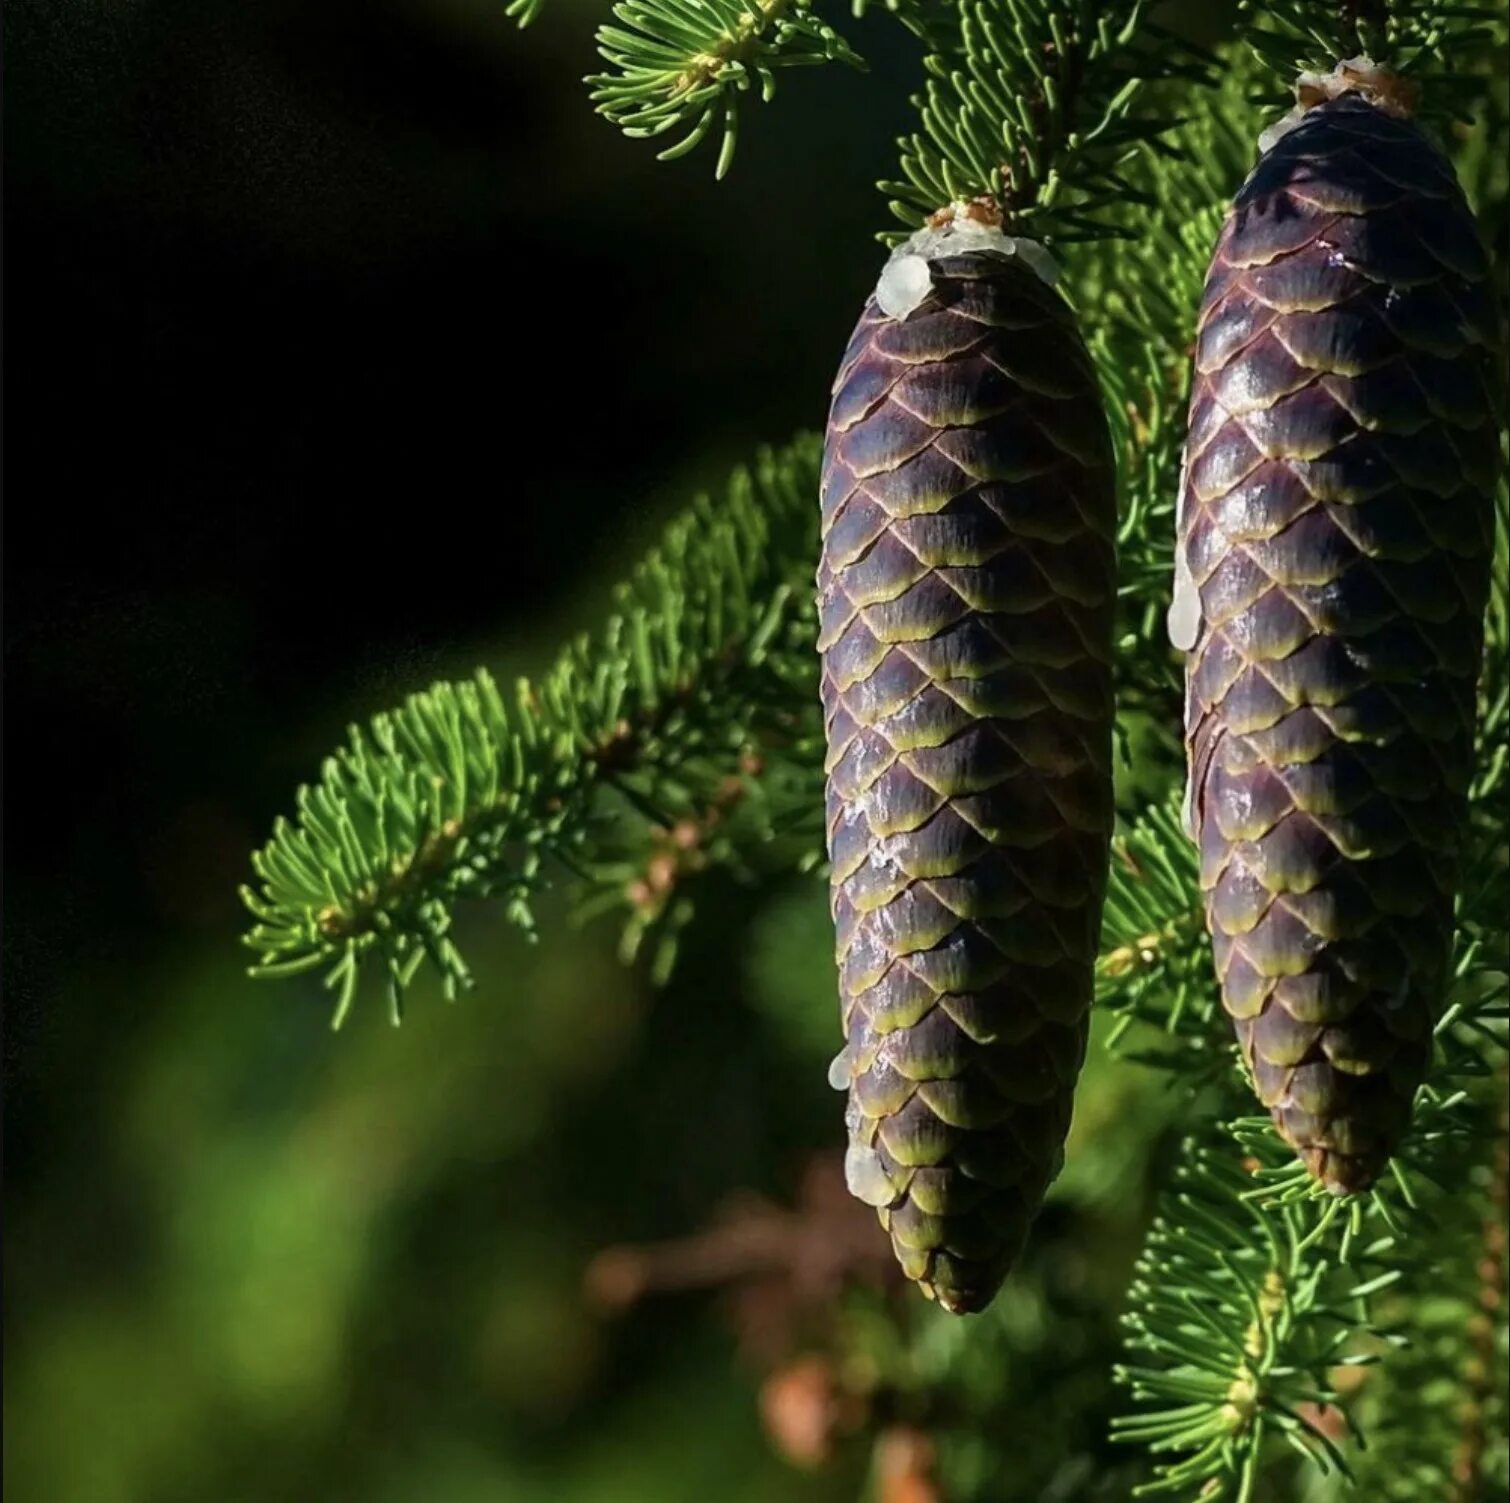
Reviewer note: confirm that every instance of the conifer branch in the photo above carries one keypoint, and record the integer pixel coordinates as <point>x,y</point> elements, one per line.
<point>549,779</point>
<point>1155,966</point>
<point>1434,1412</point>
<point>1033,111</point>
<point>1257,1291</point>
<point>1407,36</point>
<point>681,65</point>
<point>1239,1324</point>
<point>696,697</point>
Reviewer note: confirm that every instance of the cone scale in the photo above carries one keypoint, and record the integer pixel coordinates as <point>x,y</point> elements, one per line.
<point>966,594</point>
<point>1334,544</point>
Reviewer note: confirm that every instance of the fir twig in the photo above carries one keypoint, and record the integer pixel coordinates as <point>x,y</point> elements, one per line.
<point>1246,1225</point>
<point>701,677</point>
<point>1407,36</point>
<point>1033,110</point>
<point>679,66</point>
<point>1239,1325</point>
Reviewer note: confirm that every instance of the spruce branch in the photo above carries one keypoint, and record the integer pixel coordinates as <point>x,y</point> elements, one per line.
<point>1435,1411</point>
<point>1257,1293</point>
<point>1241,1326</point>
<point>1155,965</point>
<point>694,698</point>
<point>681,65</point>
<point>1426,39</point>
<point>1033,111</point>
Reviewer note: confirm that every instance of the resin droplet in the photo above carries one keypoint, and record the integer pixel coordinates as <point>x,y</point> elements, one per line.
<point>904,283</point>
<point>866,1177</point>
<point>907,277</point>
<point>1184,618</point>
<point>840,1067</point>
<point>1386,91</point>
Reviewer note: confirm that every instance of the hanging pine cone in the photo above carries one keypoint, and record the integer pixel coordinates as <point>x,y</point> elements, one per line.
<point>1335,536</point>
<point>966,593</point>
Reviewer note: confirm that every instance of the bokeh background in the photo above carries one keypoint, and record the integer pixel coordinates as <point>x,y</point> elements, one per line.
<point>350,350</point>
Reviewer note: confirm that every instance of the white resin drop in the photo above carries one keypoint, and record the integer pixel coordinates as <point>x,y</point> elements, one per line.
<point>865,1176</point>
<point>907,277</point>
<point>905,282</point>
<point>1353,75</point>
<point>840,1066</point>
<point>1184,618</point>
<point>1271,135</point>
<point>1037,258</point>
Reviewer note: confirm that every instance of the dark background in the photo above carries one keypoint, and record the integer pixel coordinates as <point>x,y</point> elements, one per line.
<point>344,338</point>
<point>344,342</point>
<point>347,349</point>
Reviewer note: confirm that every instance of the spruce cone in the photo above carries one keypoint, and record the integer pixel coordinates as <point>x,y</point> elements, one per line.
<point>1335,534</point>
<point>967,588</point>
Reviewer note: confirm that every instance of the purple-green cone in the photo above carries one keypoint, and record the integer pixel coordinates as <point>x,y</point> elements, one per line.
<point>967,588</point>
<point>1337,523</point>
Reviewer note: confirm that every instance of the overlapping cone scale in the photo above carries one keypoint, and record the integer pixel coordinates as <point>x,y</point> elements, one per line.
<point>1337,521</point>
<point>966,588</point>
